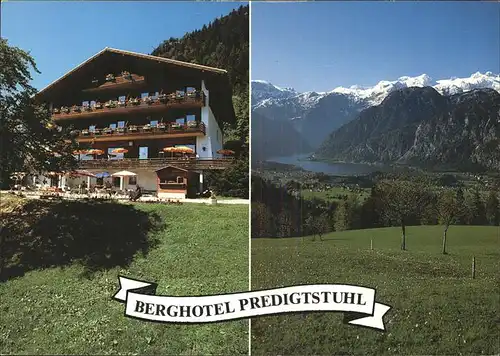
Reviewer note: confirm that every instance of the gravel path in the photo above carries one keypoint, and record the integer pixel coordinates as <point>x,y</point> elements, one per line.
<point>153,199</point>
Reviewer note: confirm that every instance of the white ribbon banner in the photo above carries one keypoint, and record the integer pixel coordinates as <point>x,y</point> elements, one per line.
<point>358,302</point>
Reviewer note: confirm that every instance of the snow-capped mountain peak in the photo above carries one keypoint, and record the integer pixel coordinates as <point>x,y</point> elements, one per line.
<point>475,81</point>
<point>375,94</point>
<point>262,90</point>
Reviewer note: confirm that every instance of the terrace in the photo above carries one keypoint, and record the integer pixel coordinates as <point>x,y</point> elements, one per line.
<point>131,106</point>
<point>134,132</point>
<point>190,163</point>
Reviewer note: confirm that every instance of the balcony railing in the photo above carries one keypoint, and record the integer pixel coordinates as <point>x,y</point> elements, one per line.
<point>135,106</point>
<point>146,131</point>
<point>157,163</point>
<point>173,186</point>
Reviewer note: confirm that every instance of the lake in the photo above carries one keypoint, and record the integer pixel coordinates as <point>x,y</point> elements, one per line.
<point>341,169</point>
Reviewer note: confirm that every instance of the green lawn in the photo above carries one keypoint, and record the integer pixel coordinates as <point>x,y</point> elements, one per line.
<point>332,194</point>
<point>438,309</point>
<point>199,250</point>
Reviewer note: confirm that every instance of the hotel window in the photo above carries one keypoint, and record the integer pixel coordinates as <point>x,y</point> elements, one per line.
<point>121,124</point>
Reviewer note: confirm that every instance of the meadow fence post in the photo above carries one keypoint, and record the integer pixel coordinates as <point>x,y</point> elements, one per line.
<point>473,267</point>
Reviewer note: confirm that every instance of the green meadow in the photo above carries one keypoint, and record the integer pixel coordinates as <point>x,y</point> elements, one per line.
<point>437,308</point>
<point>332,194</point>
<point>57,298</point>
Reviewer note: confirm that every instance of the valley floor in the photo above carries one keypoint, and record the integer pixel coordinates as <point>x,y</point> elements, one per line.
<point>437,308</point>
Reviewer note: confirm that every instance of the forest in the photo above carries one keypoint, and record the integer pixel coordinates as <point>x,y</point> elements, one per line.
<point>280,210</point>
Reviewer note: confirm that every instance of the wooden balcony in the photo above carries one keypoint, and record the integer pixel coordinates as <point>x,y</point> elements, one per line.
<point>131,109</point>
<point>121,83</point>
<point>143,133</point>
<point>157,163</point>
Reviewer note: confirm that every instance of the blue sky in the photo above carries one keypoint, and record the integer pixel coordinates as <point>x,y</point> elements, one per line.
<point>319,46</point>
<point>61,35</point>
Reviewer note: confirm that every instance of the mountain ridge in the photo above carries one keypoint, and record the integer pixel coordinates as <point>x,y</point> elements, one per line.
<point>316,114</point>
<point>449,86</point>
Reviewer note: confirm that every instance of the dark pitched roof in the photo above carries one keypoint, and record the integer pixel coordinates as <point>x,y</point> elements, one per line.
<point>138,55</point>
<point>217,79</point>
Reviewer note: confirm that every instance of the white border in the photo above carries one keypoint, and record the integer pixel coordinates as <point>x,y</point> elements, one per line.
<point>250,167</point>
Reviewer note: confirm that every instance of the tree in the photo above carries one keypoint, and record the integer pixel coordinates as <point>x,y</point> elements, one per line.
<point>232,181</point>
<point>493,209</point>
<point>402,199</point>
<point>462,214</point>
<point>28,138</point>
<point>447,208</point>
<point>317,225</point>
<point>369,214</point>
<point>341,217</point>
<point>284,224</point>
<point>475,208</point>
<point>347,215</point>
<point>262,224</point>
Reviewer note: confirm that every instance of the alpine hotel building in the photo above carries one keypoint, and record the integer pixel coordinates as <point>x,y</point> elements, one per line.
<point>157,119</point>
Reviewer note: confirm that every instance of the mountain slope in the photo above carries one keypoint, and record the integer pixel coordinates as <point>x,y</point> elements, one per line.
<point>420,126</point>
<point>329,113</point>
<point>271,138</point>
<point>312,114</point>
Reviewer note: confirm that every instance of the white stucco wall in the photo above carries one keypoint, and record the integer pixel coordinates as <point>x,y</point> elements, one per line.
<point>147,180</point>
<point>213,140</point>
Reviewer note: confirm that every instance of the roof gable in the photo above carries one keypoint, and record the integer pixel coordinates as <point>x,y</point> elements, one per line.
<point>172,167</point>
<point>136,55</point>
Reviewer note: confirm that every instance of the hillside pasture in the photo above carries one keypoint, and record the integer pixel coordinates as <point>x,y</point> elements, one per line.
<point>437,308</point>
